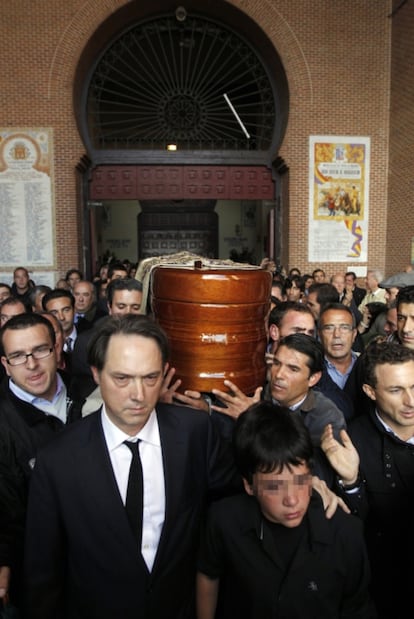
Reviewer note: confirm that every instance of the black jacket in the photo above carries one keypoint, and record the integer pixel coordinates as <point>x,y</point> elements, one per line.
<point>327,576</point>
<point>24,429</point>
<point>386,503</point>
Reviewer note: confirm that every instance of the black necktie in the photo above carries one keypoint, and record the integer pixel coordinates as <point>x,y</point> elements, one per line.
<point>68,343</point>
<point>135,490</point>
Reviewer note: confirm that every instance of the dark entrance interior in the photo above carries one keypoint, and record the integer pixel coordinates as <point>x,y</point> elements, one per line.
<point>168,227</point>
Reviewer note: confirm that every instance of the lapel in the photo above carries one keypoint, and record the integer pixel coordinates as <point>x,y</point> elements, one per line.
<point>98,482</point>
<point>174,461</point>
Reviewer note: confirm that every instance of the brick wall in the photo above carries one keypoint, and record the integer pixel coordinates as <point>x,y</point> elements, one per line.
<point>343,79</point>
<point>400,223</point>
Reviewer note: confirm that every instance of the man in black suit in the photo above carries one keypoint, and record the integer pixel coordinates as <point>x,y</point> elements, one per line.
<point>351,284</point>
<point>375,463</point>
<point>82,556</point>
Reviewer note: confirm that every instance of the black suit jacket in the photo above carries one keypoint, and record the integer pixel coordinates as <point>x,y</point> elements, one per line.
<point>358,294</point>
<point>81,556</point>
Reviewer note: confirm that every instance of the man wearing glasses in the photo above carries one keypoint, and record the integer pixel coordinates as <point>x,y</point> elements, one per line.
<point>34,406</point>
<point>337,332</point>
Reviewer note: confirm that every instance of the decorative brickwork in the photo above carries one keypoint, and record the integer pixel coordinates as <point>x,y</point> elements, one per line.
<point>349,69</point>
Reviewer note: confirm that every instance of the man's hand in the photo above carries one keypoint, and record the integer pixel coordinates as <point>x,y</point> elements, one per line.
<point>168,390</point>
<point>344,457</point>
<point>236,401</point>
<point>193,399</point>
<point>4,580</point>
<point>331,501</point>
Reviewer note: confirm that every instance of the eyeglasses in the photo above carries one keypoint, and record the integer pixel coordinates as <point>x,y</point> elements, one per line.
<point>18,358</point>
<point>341,328</point>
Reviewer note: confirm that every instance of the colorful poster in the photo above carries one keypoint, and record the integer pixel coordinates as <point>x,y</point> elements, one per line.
<point>338,198</point>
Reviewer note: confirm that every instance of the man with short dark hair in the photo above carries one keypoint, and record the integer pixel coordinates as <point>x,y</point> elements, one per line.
<point>34,406</point>
<point>319,294</point>
<point>405,316</point>
<point>5,291</point>
<point>319,276</point>
<point>11,306</point>
<point>351,284</point>
<point>296,369</point>
<point>83,556</point>
<point>124,296</point>
<point>21,286</point>
<point>376,470</point>
<point>62,303</point>
<point>72,277</point>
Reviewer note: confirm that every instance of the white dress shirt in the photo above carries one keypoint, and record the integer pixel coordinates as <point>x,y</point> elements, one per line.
<point>153,476</point>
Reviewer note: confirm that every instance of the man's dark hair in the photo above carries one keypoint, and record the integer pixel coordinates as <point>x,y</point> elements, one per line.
<point>380,353</point>
<point>12,301</point>
<point>315,271</point>
<point>306,345</point>
<point>116,266</point>
<point>277,313</point>
<point>277,283</point>
<point>298,280</point>
<point>21,269</point>
<point>405,295</point>
<point>3,285</point>
<point>337,306</point>
<point>121,284</point>
<point>325,293</point>
<point>25,321</point>
<point>351,274</point>
<point>57,293</point>
<point>267,438</point>
<point>131,324</point>
<point>73,272</point>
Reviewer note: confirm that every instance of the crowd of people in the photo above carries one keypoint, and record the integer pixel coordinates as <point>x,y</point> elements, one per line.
<point>123,496</point>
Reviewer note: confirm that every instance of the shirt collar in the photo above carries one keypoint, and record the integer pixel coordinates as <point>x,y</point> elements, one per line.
<point>294,407</point>
<point>391,431</point>
<point>116,437</point>
<point>332,366</point>
<point>33,399</point>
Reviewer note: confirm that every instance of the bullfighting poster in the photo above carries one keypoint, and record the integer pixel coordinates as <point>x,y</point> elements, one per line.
<point>338,198</point>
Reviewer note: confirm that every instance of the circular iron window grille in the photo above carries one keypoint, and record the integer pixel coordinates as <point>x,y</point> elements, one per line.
<point>187,82</point>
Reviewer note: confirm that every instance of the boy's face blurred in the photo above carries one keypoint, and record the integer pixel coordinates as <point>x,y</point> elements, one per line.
<point>283,497</point>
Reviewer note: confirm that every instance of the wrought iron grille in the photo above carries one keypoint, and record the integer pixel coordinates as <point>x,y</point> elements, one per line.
<point>192,83</point>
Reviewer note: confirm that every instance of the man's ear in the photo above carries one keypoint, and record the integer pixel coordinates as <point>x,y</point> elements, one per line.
<point>274,333</point>
<point>6,365</point>
<point>95,374</point>
<point>314,378</point>
<point>369,391</point>
<point>248,488</point>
